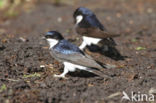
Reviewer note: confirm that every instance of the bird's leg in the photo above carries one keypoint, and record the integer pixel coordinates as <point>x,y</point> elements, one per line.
<point>63,74</point>
<point>83,45</point>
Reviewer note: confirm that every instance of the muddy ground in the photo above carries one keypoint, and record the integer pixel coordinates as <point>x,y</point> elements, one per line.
<point>27,69</point>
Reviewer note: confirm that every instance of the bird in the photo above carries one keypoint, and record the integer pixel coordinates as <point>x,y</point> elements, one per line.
<point>90,28</point>
<point>71,56</point>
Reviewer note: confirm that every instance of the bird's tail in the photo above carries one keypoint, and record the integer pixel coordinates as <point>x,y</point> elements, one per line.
<point>99,73</point>
<point>112,34</point>
<point>107,66</point>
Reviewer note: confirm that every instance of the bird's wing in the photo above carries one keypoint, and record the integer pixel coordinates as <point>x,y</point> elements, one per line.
<point>94,22</point>
<point>83,60</point>
<point>76,57</point>
<point>79,59</point>
<point>94,32</point>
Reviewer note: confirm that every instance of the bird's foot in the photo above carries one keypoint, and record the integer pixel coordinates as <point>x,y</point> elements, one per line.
<point>60,76</point>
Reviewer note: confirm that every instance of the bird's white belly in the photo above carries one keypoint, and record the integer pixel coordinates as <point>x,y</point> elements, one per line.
<point>72,67</point>
<point>90,40</point>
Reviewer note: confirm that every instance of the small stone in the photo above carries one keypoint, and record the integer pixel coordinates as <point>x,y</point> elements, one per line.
<point>118,15</point>
<point>59,19</point>
<point>22,39</point>
<point>42,66</point>
<point>149,10</point>
<point>108,18</point>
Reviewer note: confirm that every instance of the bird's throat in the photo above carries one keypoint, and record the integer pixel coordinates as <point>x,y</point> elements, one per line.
<point>79,19</point>
<point>52,42</point>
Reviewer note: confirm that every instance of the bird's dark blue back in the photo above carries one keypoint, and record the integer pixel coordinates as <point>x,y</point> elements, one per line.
<point>90,19</point>
<point>65,47</point>
<point>85,11</point>
<point>94,22</point>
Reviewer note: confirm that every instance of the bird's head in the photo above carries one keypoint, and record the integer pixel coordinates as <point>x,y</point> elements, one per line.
<point>53,37</point>
<point>81,13</point>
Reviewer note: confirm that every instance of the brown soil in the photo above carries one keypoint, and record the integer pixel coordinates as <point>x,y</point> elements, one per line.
<point>22,52</point>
